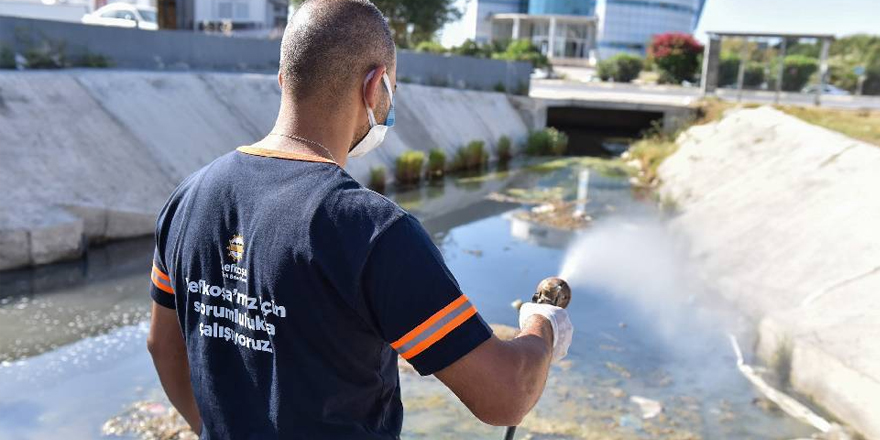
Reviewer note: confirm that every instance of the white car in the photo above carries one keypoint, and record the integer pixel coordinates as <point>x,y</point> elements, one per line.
<point>829,90</point>
<point>124,15</point>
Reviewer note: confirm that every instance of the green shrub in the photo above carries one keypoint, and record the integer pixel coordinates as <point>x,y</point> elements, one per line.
<point>753,76</point>
<point>431,47</point>
<point>626,67</point>
<point>798,70</point>
<point>500,87</point>
<point>408,167</point>
<point>677,55</point>
<point>436,163</point>
<point>728,70</point>
<point>7,58</point>
<point>606,69</point>
<point>473,156</point>
<point>547,142</point>
<point>46,55</point>
<point>92,60</point>
<point>523,50</point>
<point>377,179</point>
<point>505,150</point>
<point>469,48</point>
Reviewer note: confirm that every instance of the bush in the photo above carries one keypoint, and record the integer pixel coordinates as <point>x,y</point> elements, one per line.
<point>473,156</point>
<point>469,48</point>
<point>92,60</point>
<point>677,55</point>
<point>523,50</point>
<point>505,150</point>
<point>753,76</point>
<point>728,70</point>
<point>7,58</point>
<point>436,163</point>
<point>500,87</point>
<point>606,69</point>
<point>408,167</point>
<point>798,70</point>
<point>622,67</point>
<point>431,47</point>
<point>377,179</point>
<point>547,142</point>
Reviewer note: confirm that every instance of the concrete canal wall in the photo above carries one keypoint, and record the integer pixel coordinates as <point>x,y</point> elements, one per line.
<point>90,155</point>
<point>784,218</point>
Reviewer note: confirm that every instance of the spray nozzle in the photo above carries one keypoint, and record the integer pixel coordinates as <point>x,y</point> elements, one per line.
<point>554,291</point>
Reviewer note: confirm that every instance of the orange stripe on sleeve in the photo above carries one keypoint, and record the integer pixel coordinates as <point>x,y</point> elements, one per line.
<point>161,285</point>
<point>160,273</point>
<point>439,334</point>
<point>428,322</point>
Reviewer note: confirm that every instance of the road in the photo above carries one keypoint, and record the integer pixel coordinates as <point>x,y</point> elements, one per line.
<point>677,95</point>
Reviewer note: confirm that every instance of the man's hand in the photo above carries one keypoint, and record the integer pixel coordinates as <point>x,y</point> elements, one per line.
<point>166,345</point>
<point>558,317</point>
<point>500,381</point>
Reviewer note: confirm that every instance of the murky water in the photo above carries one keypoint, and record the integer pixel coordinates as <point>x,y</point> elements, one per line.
<point>72,336</point>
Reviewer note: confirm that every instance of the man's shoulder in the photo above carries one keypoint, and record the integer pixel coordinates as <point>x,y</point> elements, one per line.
<point>350,202</point>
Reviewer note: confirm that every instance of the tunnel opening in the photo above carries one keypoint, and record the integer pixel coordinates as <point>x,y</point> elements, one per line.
<point>601,132</point>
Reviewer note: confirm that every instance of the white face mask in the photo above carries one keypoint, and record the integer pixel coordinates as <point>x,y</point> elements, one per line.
<point>377,131</point>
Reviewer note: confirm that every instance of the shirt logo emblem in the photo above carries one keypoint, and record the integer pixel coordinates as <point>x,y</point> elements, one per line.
<point>236,248</point>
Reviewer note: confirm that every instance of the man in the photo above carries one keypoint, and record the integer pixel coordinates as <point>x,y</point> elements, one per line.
<point>284,291</point>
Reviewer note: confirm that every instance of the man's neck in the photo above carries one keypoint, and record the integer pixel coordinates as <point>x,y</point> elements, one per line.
<point>333,133</point>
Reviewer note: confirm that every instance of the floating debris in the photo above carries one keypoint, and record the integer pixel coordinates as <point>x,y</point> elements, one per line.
<point>650,408</point>
<point>617,392</point>
<point>623,372</point>
<point>475,252</point>
<point>150,421</point>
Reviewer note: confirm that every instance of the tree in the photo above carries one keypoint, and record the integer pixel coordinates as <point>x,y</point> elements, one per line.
<point>414,21</point>
<point>677,55</point>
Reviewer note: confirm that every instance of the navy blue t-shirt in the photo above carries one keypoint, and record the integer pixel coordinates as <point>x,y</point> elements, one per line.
<point>296,289</point>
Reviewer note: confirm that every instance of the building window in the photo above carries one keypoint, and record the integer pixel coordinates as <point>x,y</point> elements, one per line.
<point>224,10</point>
<point>242,11</point>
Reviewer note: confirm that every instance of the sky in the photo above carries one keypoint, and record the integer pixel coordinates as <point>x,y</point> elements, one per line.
<point>839,17</point>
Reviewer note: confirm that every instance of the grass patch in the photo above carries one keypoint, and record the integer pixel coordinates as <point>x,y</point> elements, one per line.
<point>606,167</point>
<point>473,156</point>
<point>436,163</point>
<point>863,125</point>
<point>505,150</point>
<point>377,179</point>
<point>546,142</point>
<point>650,153</point>
<point>408,167</point>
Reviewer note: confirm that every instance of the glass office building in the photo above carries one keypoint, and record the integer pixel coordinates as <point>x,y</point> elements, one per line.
<point>562,7</point>
<point>575,31</point>
<point>628,25</point>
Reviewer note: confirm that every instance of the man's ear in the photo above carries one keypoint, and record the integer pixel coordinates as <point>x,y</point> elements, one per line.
<point>374,87</point>
<point>280,81</point>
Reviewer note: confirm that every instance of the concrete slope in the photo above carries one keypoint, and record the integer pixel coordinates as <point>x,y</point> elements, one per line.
<point>93,154</point>
<point>781,215</point>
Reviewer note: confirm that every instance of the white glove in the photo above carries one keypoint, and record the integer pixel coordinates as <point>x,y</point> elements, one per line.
<point>558,317</point>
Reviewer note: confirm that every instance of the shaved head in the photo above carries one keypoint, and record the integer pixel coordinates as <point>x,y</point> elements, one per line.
<point>331,45</point>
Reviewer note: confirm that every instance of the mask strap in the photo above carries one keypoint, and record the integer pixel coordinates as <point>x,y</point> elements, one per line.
<point>370,114</point>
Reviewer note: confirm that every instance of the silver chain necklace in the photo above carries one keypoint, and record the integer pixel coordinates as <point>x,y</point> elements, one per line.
<point>305,141</point>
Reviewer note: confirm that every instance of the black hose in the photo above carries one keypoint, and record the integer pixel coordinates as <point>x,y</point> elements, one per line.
<point>511,430</point>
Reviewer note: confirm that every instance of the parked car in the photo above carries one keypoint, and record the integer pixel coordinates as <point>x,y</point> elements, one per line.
<point>124,15</point>
<point>829,90</point>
